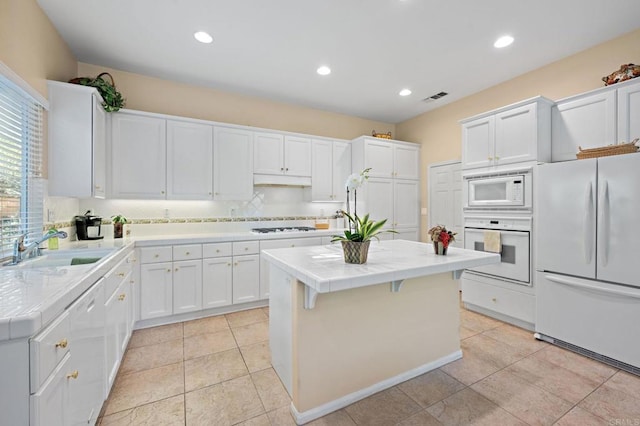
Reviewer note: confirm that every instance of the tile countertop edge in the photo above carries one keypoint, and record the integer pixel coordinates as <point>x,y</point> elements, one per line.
<point>296,261</point>
<point>151,241</point>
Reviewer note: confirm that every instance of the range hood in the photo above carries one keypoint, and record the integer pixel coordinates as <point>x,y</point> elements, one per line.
<point>280,180</point>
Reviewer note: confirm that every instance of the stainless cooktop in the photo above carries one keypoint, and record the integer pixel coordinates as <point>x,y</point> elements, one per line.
<point>283,229</point>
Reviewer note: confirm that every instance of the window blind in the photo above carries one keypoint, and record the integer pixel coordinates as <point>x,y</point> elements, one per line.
<point>21,182</point>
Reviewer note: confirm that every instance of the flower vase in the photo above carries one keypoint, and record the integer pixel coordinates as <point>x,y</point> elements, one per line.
<point>439,248</point>
<point>355,251</point>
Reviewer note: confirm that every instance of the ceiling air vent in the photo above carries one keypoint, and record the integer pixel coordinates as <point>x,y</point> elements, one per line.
<point>435,97</point>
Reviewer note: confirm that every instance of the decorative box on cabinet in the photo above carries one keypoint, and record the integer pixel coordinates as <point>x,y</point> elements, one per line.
<point>77,141</point>
<point>601,117</point>
<point>330,170</point>
<point>513,134</point>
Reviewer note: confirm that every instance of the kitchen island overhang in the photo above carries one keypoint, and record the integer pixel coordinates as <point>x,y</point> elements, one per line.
<point>341,332</point>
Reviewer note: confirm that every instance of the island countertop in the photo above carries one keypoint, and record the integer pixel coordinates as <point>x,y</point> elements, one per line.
<point>323,269</point>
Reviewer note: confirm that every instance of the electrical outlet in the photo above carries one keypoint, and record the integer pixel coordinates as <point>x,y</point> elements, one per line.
<point>51,215</point>
<point>166,213</point>
<point>423,211</point>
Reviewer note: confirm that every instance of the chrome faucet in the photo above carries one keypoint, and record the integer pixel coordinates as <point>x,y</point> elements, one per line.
<point>22,252</point>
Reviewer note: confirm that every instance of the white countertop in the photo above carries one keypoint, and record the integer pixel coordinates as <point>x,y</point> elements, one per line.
<point>323,269</point>
<point>30,298</point>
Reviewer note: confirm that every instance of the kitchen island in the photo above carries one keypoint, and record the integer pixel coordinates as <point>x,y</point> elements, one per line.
<point>340,332</point>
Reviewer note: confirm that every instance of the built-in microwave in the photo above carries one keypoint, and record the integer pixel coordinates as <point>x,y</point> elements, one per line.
<point>505,191</point>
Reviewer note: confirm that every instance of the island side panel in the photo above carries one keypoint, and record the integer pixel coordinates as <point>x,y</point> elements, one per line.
<point>280,324</point>
<point>357,338</point>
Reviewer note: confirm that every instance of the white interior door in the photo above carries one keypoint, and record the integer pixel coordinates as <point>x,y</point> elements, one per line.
<point>445,198</point>
<point>618,231</point>
<point>566,218</point>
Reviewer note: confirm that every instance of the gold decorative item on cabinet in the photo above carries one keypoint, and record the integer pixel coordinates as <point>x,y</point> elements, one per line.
<point>605,151</point>
<point>381,135</point>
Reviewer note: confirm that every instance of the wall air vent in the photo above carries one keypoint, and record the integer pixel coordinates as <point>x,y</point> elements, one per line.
<point>435,97</point>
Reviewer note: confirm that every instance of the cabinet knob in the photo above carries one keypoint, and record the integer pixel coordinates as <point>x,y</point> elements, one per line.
<point>229,264</point>
<point>246,248</point>
<point>217,250</point>
<point>62,343</point>
<point>156,256</point>
<point>122,297</point>
<point>210,193</point>
<point>98,187</point>
<point>73,375</point>
<point>293,245</point>
<point>187,253</point>
<point>217,193</point>
<point>236,264</point>
<point>132,282</point>
<point>121,274</point>
<point>286,170</point>
<point>162,192</point>
<point>168,270</point>
<point>177,269</point>
<point>489,158</point>
<point>494,299</point>
<point>497,158</point>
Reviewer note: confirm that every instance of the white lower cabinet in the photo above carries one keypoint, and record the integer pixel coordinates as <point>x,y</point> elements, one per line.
<point>217,282</point>
<point>50,404</point>
<point>156,290</point>
<point>187,286</point>
<point>246,278</point>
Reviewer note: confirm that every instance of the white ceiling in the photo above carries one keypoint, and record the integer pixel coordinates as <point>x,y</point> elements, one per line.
<point>271,49</point>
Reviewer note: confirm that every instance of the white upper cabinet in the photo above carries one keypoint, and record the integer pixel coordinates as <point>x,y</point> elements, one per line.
<point>586,121</point>
<point>189,161</point>
<point>276,154</point>
<point>629,112</point>
<point>138,156</point>
<point>386,158</point>
<point>516,133</point>
<point>330,169</point>
<point>77,141</point>
<point>233,164</point>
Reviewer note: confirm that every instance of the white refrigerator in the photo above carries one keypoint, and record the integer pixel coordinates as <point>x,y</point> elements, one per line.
<point>588,257</point>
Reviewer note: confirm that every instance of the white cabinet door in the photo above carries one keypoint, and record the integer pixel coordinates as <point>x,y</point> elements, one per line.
<point>233,164</point>
<point>516,135</point>
<point>246,278</point>
<point>478,142</point>
<point>378,155</point>
<point>187,286</point>
<point>410,234</point>
<point>322,188</point>
<point>567,224</point>
<point>49,406</point>
<point>628,113</point>
<point>115,330</point>
<point>268,153</point>
<point>138,156</point>
<point>297,156</point>
<point>99,132</point>
<point>86,340</point>
<point>378,200</point>
<point>406,194</point>
<point>406,161</point>
<point>217,282</point>
<point>156,290</point>
<point>341,169</point>
<point>618,231</point>
<point>189,161</point>
<point>587,122</point>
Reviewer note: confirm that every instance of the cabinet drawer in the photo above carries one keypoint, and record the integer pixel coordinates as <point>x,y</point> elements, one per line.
<point>114,277</point>
<point>187,252</point>
<point>47,349</point>
<point>217,250</point>
<point>155,254</point>
<point>246,247</point>
<point>504,301</point>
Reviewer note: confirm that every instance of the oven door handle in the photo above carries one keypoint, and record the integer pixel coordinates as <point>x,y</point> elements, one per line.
<point>588,219</point>
<point>577,284</point>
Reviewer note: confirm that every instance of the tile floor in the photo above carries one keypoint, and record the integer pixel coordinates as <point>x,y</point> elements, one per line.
<point>216,371</point>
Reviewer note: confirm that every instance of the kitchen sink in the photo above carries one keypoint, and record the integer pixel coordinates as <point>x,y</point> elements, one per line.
<point>65,258</point>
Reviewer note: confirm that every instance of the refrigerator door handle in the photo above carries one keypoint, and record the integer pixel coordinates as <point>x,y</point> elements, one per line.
<point>603,223</point>
<point>574,283</point>
<point>588,218</point>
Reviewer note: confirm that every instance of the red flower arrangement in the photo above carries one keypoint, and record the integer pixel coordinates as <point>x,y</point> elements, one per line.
<point>439,233</point>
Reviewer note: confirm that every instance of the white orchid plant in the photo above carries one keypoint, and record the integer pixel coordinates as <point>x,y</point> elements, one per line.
<point>360,229</point>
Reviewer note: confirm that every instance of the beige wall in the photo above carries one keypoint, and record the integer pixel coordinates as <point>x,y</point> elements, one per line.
<point>31,46</point>
<point>162,96</point>
<point>440,134</point>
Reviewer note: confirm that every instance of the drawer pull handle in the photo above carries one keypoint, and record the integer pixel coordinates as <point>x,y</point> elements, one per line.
<point>121,297</point>
<point>73,375</point>
<point>121,274</point>
<point>62,343</point>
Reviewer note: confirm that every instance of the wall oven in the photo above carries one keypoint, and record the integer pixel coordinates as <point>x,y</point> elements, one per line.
<point>515,242</point>
<point>512,190</point>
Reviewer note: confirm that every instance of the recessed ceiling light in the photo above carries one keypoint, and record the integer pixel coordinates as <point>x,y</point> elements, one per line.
<point>324,70</point>
<point>503,41</point>
<point>203,37</point>
<point>405,92</point>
